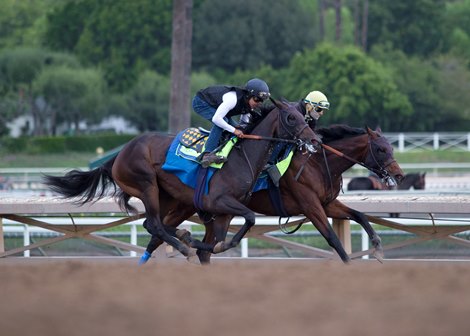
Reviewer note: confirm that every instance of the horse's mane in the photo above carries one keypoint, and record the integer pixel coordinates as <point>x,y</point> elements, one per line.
<point>338,131</point>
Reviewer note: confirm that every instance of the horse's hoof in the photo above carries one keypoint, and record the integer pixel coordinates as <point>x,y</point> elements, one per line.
<point>183,235</point>
<point>219,247</point>
<point>379,255</point>
<point>145,257</point>
<point>193,258</point>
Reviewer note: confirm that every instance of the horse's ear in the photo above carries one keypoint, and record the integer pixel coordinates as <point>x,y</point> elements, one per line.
<point>274,101</point>
<point>277,103</point>
<point>369,130</point>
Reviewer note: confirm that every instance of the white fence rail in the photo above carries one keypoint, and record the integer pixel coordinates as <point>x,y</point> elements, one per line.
<point>27,231</point>
<point>404,142</point>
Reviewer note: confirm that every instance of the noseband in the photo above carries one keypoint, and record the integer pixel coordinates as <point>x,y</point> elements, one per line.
<point>381,168</point>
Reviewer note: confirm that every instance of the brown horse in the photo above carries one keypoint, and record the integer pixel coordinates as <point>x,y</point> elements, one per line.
<point>417,181</point>
<point>137,170</point>
<point>314,193</point>
<point>371,182</point>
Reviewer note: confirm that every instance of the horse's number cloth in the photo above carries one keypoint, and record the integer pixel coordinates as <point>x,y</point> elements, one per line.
<point>182,158</point>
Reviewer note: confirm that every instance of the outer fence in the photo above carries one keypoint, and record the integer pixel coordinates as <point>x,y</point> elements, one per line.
<point>378,207</point>
<point>429,141</point>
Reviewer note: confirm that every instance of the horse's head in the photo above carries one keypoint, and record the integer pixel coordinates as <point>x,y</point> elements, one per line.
<point>380,158</point>
<point>420,182</point>
<point>292,125</point>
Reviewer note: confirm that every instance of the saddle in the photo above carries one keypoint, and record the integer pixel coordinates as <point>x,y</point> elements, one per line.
<point>194,138</point>
<point>192,142</point>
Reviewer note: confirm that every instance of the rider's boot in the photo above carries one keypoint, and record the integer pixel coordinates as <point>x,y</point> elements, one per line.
<point>210,158</point>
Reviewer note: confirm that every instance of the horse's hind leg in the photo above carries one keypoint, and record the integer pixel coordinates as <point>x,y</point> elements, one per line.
<point>249,216</point>
<point>171,221</point>
<point>155,225</point>
<point>153,244</point>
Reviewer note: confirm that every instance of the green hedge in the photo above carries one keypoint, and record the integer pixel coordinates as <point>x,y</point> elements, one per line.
<point>63,144</point>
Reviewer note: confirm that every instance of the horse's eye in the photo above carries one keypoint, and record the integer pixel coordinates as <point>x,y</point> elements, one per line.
<point>291,119</point>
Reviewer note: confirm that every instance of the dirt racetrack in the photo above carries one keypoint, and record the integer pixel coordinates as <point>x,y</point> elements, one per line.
<point>84,297</point>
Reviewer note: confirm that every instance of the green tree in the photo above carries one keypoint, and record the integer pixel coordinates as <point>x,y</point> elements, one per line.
<point>65,24</point>
<point>22,22</point>
<point>453,101</point>
<point>148,102</point>
<point>71,95</point>
<point>360,89</point>
<point>244,34</point>
<point>18,69</point>
<point>415,27</point>
<point>457,21</point>
<point>418,80</point>
<point>125,37</point>
<point>10,107</point>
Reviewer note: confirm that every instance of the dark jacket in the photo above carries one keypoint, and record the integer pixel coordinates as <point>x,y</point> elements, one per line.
<point>213,96</point>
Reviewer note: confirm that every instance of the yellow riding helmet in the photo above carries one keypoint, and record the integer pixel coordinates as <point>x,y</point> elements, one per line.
<point>316,98</point>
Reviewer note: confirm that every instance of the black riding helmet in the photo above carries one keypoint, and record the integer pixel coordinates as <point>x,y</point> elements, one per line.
<point>257,88</point>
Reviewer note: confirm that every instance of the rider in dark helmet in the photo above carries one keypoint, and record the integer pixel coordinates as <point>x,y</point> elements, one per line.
<point>220,103</point>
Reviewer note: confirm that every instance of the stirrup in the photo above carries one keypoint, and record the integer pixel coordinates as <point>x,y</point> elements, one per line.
<point>210,158</point>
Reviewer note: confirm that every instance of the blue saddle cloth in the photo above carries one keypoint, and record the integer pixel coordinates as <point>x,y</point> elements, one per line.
<point>181,160</point>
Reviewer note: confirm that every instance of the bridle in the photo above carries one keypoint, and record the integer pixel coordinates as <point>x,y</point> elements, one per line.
<point>371,159</point>
<point>294,137</point>
<point>299,143</point>
<point>381,171</point>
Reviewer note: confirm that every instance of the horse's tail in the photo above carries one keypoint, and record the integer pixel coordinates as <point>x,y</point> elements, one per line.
<point>88,185</point>
<point>122,199</point>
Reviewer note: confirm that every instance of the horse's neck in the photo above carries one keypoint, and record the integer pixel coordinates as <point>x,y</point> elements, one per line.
<point>354,147</point>
<point>252,155</point>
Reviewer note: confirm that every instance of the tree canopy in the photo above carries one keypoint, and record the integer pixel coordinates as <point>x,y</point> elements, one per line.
<point>413,76</point>
<point>245,34</point>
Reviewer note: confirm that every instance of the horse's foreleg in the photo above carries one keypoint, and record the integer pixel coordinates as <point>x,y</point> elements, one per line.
<point>209,239</point>
<point>315,212</point>
<point>336,209</point>
<point>374,238</point>
<point>330,236</point>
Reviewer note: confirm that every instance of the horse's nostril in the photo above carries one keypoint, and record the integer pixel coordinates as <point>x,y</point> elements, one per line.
<point>399,178</point>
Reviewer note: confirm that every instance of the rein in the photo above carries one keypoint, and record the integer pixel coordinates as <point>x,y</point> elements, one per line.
<point>259,137</point>
<point>298,142</point>
<point>379,172</point>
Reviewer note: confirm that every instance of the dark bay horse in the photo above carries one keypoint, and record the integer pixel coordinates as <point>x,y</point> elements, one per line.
<point>314,194</point>
<point>137,170</point>
<point>417,181</point>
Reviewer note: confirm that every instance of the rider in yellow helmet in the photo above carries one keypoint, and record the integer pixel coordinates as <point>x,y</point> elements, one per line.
<point>313,106</point>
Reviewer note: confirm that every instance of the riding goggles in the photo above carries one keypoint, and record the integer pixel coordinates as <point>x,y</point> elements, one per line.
<point>262,95</point>
<point>322,105</point>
